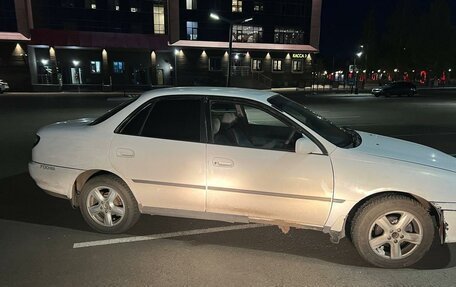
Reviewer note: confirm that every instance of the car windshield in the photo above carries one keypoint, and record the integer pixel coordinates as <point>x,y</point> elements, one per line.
<point>112,112</point>
<point>338,136</point>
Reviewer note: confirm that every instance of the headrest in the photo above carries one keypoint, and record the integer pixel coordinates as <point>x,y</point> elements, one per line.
<point>229,118</point>
<point>215,126</point>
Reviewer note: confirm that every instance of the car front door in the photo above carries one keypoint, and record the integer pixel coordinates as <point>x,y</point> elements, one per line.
<point>254,171</point>
<point>161,150</point>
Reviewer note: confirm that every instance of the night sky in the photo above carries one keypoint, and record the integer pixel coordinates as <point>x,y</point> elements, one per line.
<point>342,24</point>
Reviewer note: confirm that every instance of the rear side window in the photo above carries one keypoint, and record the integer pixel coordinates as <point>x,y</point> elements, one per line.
<point>174,119</point>
<point>136,123</point>
<point>112,112</point>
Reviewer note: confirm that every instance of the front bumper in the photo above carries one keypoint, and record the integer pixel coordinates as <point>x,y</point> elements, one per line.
<point>56,181</point>
<point>447,212</point>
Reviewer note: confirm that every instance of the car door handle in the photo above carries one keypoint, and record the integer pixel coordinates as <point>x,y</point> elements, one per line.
<point>125,152</point>
<point>222,162</point>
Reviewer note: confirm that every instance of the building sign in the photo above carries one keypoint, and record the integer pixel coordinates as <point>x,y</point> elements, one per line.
<point>299,56</point>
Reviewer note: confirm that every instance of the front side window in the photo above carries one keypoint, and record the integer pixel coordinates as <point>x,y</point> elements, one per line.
<point>326,129</point>
<point>174,119</point>
<point>277,65</point>
<point>159,19</point>
<point>247,34</point>
<point>236,5</point>
<point>192,30</point>
<point>244,125</point>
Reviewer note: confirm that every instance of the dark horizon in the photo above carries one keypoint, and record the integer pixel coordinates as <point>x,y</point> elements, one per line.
<point>342,25</point>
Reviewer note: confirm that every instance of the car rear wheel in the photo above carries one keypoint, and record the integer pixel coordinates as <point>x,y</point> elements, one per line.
<point>392,231</point>
<point>108,205</point>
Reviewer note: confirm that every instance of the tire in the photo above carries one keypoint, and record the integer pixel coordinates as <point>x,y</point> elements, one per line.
<point>108,205</point>
<point>395,248</point>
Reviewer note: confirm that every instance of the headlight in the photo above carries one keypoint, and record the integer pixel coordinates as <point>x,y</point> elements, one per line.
<point>37,140</point>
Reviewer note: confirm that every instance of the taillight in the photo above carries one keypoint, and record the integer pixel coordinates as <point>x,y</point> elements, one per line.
<point>37,140</point>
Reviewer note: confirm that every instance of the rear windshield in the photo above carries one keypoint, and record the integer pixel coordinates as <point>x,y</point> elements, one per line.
<point>112,112</point>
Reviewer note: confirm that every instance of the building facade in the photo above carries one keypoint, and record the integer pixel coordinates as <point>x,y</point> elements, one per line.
<point>54,45</point>
<point>273,41</point>
<point>90,45</point>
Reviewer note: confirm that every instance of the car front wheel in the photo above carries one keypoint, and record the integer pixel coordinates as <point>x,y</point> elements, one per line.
<point>108,205</point>
<point>392,231</point>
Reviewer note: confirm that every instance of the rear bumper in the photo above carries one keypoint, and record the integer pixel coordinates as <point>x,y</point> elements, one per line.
<point>54,180</point>
<point>448,214</point>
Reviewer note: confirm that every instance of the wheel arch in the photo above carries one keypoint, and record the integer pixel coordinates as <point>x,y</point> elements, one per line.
<point>83,178</point>
<point>426,204</point>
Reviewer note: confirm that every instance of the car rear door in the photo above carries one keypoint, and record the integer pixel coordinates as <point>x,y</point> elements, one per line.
<point>161,149</point>
<point>253,172</point>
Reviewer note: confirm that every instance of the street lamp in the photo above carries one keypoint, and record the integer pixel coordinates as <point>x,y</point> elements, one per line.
<point>358,55</point>
<point>176,52</point>
<point>230,41</point>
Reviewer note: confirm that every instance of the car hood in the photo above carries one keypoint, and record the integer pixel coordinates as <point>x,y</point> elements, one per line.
<point>401,150</point>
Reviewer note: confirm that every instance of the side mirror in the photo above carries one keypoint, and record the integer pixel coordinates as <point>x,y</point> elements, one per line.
<point>305,146</point>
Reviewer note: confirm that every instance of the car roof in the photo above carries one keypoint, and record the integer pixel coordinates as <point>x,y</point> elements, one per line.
<point>258,95</point>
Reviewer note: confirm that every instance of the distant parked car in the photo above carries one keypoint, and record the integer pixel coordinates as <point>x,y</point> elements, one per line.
<point>245,156</point>
<point>395,88</point>
<point>3,86</point>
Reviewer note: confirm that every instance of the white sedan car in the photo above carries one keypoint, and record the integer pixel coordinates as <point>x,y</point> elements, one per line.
<point>241,155</point>
<point>3,86</point>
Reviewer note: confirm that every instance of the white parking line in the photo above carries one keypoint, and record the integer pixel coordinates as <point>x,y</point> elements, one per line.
<point>165,235</point>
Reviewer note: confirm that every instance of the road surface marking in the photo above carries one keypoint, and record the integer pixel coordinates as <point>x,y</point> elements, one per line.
<point>165,235</point>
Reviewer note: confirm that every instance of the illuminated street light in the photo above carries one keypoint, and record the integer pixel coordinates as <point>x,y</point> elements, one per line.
<point>359,54</point>
<point>76,63</point>
<point>214,16</point>
<point>230,39</point>
<point>44,62</point>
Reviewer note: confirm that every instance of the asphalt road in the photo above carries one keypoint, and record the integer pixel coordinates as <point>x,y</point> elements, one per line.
<point>38,232</point>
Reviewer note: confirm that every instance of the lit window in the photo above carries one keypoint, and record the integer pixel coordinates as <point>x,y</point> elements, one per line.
<point>257,65</point>
<point>159,19</point>
<point>277,65</point>
<point>258,6</point>
<point>192,30</point>
<point>296,66</point>
<point>95,67</point>
<point>191,4</point>
<point>118,67</point>
<point>236,6</point>
<point>249,34</point>
<point>134,9</point>
<point>117,7</point>
<point>215,64</point>
<point>288,36</point>
<point>93,6</point>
